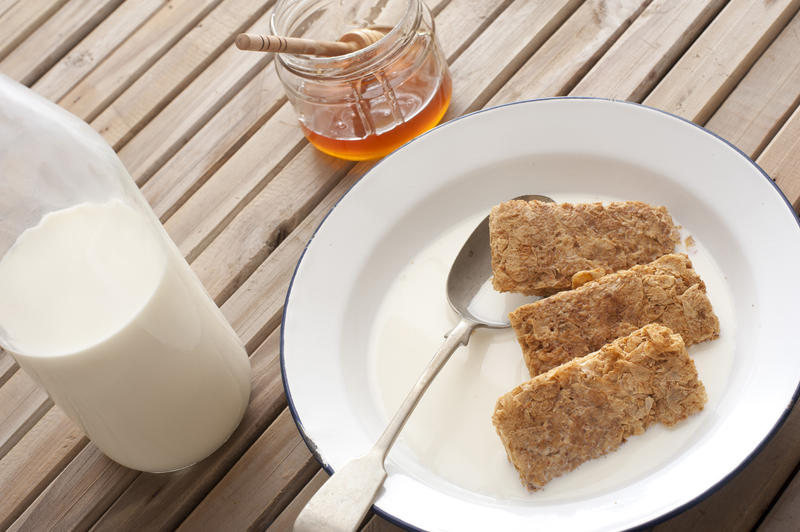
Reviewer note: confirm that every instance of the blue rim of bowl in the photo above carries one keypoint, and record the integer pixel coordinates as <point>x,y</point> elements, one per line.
<point>660,519</point>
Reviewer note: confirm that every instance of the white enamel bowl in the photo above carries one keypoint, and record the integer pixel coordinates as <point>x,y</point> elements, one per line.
<point>560,147</point>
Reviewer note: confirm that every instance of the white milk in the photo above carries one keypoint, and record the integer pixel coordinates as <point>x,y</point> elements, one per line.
<point>451,435</point>
<point>116,327</point>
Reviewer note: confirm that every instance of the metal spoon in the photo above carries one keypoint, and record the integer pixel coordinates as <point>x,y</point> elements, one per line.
<point>342,502</point>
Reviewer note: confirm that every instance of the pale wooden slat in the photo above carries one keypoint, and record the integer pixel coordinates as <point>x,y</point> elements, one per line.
<point>513,36</point>
<point>135,55</point>
<point>34,461</point>
<point>641,56</point>
<point>175,69</point>
<point>376,524</point>
<point>785,515</point>
<point>765,97</point>
<point>719,58</point>
<point>286,518</point>
<point>233,185</point>
<point>21,19</point>
<point>185,114</point>
<point>22,403</point>
<point>285,201</point>
<point>50,41</point>
<point>261,483</point>
<point>94,48</point>
<point>781,161</point>
<point>5,5</point>
<point>564,58</point>
<point>78,496</point>
<point>7,366</point>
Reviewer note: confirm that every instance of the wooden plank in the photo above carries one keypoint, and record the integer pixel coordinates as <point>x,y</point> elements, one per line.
<point>641,56</point>
<point>285,520</point>
<point>135,55</point>
<point>284,202</point>
<point>20,19</point>
<point>185,114</point>
<point>167,187</point>
<point>785,514</point>
<point>513,36</point>
<point>255,308</point>
<point>781,159</point>
<point>78,495</point>
<point>161,502</point>
<point>762,102</point>
<point>376,524</point>
<point>260,485</point>
<point>555,68</point>
<point>5,5</point>
<point>22,403</point>
<point>94,48</point>
<point>720,57</point>
<point>33,463</point>
<point>7,366</point>
<point>176,69</point>
<point>54,38</point>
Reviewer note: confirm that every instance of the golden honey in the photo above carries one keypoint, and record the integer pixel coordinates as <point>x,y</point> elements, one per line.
<point>368,103</point>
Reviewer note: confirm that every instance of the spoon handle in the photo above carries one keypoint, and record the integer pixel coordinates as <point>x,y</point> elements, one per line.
<point>459,335</point>
<point>342,502</point>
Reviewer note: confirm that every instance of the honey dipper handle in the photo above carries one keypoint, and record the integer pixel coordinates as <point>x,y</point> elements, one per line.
<point>292,45</point>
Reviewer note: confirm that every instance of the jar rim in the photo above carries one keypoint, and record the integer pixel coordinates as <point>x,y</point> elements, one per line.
<point>353,64</point>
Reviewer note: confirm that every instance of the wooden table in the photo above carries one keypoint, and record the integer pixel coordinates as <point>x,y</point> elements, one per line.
<point>208,135</point>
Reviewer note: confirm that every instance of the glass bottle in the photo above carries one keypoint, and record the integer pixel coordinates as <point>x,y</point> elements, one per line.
<point>364,104</point>
<point>97,304</point>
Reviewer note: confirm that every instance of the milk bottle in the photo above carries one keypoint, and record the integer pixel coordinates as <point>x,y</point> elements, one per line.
<point>98,305</point>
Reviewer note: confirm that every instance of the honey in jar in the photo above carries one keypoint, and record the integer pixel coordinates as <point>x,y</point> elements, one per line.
<point>365,104</point>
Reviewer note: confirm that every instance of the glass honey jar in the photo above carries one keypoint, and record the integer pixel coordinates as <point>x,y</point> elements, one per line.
<point>364,104</point>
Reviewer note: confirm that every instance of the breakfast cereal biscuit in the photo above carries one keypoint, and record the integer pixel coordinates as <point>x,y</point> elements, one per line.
<point>569,324</point>
<point>589,406</point>
<point>537,247</point>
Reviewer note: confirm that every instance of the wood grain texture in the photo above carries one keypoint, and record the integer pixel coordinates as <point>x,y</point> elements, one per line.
<point>21,19</point>
<point>762,102</point>
<point>161,502</point>
<point>785,514</point>
<point>514,35</point>
<point>7,366</point>
<point>78,495</point>
<point>192,108</point>
<point>22,403</point>
<point>57,35</point>
<point>555,68</point>
<point>709,70</point>
<point>286,518</point>
<point>168,187</point>
<point>640,57</point>
<point>35,460</point>
<point>260,485</point>
<point>94,48</point>
<point>172,72</point>
<point>781,160</point>
<point>135,55</point>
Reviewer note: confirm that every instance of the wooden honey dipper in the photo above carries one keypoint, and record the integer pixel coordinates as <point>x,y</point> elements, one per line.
<point>349,42</point>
